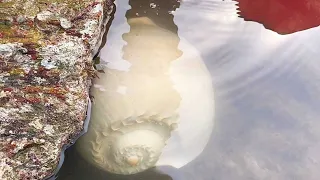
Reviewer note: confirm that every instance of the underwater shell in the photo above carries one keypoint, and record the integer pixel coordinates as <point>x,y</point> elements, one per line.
<point>153,107</point>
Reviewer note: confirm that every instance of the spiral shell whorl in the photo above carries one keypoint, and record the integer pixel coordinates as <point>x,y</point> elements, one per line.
<point>132,148</point>
<point>136,105</point>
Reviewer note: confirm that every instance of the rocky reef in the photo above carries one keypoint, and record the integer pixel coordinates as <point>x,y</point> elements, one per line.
<point>46,67</point>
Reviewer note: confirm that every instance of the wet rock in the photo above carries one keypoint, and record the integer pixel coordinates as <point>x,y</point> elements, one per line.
<point>46,67</point>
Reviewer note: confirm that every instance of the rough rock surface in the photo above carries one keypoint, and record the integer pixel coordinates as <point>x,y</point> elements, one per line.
<point>46,52</point>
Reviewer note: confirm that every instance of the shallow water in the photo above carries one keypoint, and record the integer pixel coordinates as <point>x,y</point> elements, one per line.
<point>267,98</point>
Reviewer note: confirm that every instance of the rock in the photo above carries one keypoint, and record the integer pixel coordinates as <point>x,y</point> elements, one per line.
<point>46,67</point>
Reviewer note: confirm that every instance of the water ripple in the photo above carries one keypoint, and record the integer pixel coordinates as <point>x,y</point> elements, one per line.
<point>237,52</point>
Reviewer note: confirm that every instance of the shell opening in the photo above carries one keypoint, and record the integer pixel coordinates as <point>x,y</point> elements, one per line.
<point>137,149</point>
<point>131,148</point>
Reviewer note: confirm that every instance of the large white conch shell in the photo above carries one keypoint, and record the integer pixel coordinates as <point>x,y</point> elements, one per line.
<point>154,107</point>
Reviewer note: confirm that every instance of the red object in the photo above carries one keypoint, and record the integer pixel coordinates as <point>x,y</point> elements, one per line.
<point>282,16</point>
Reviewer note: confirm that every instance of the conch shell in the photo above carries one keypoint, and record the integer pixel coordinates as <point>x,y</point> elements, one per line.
<point>153,107</point>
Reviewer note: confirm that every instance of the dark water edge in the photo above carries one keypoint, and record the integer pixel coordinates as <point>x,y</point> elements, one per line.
<point>80,170</point>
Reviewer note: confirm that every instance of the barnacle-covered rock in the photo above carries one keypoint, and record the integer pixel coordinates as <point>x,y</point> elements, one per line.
<point>46,51</point>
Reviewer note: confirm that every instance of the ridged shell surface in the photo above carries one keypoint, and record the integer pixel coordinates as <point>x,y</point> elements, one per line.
<point>134,110</point>
<point>150,92</point>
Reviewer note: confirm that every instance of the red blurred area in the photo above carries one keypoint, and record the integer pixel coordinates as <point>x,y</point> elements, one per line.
<point>282,16</point>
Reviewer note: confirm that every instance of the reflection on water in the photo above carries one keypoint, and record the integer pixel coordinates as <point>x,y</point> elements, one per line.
<point>159,11</point>
<point>282,16</point>
<point>266,95</point>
